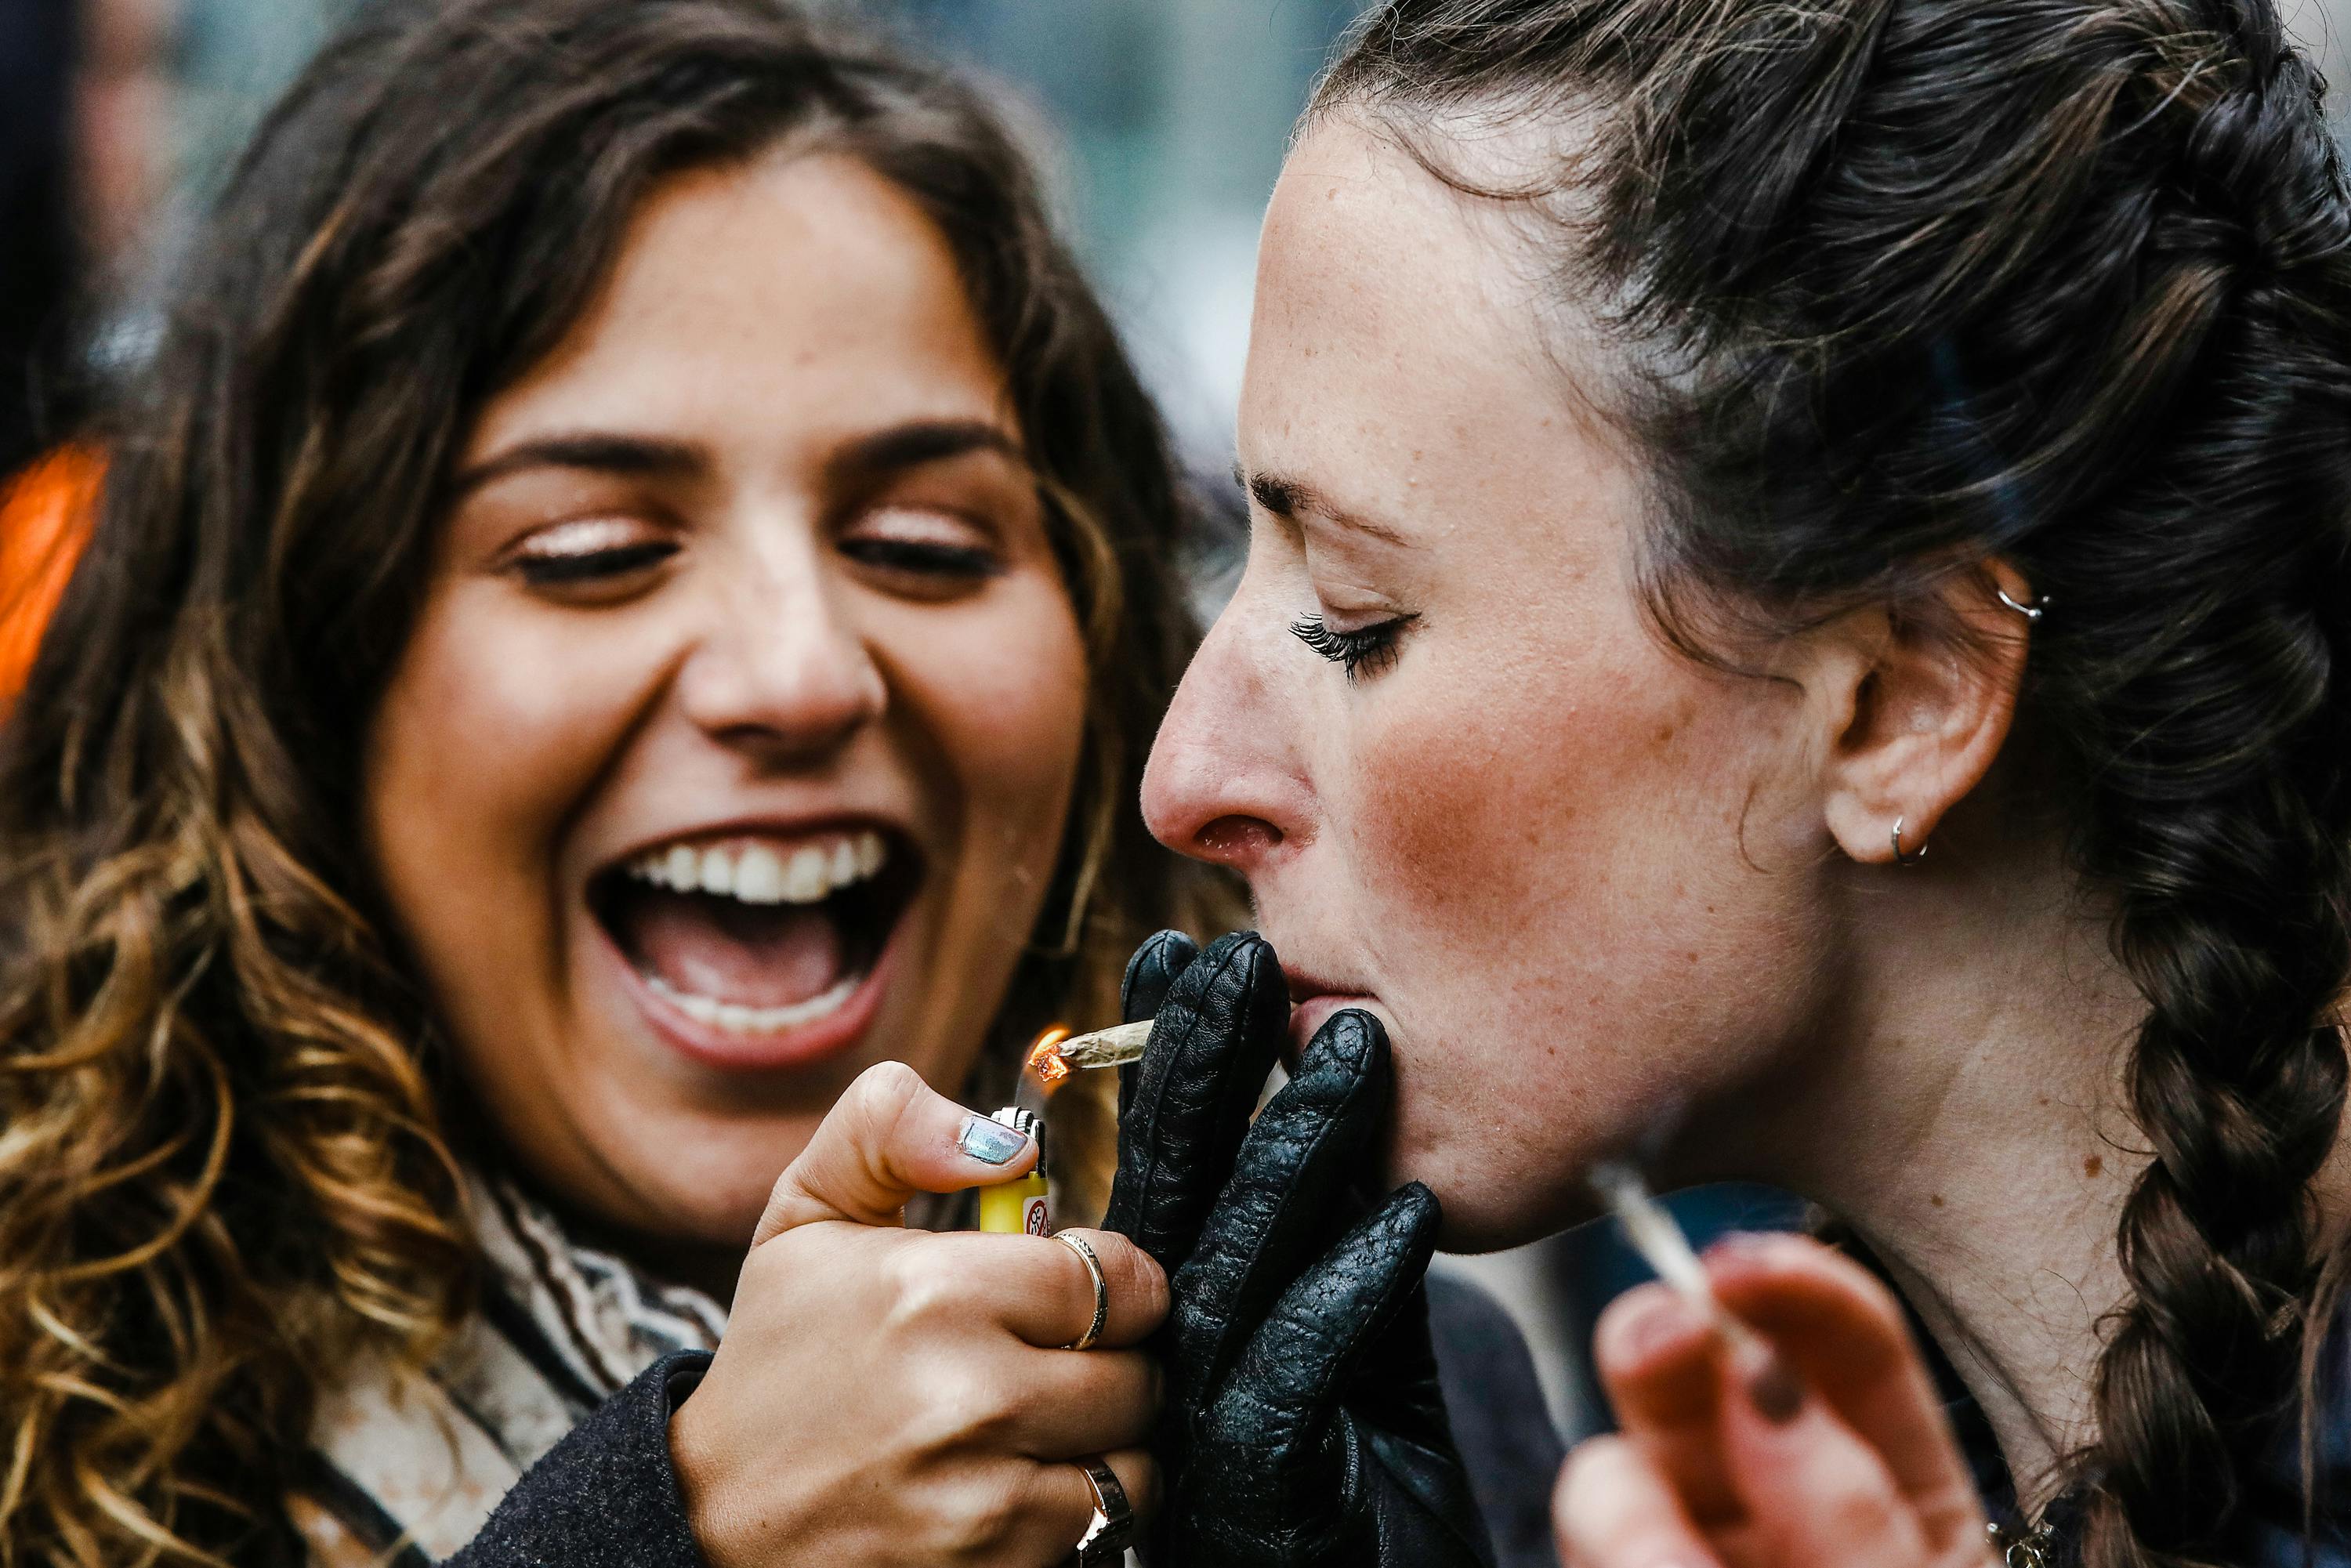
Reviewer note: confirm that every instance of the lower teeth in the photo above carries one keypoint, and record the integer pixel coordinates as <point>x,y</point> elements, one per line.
<point>737,1019</point>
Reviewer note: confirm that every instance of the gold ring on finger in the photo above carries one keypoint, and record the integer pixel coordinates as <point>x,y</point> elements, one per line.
<point>1085,1252</point>
<point>1113,1525</point>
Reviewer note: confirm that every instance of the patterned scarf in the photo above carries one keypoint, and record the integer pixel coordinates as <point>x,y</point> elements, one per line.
<point>409,1465</point>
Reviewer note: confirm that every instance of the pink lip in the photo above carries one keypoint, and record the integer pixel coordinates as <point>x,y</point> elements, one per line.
<point>710,1047</point>
<point>1314,1012</point>
<point>1312,1001</point>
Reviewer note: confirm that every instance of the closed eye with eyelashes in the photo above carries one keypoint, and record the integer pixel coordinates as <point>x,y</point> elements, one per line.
<point>1365,650</point>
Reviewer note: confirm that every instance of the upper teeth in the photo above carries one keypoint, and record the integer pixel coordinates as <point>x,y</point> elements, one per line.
<point>758,873</point>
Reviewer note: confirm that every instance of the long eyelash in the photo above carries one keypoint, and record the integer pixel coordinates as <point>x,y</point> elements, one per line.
<point>553,571</point>
<point>1366,650</point>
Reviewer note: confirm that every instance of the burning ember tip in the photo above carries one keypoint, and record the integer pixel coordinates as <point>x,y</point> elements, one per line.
<point>1044,1059</point>
<point>1058,1052</point>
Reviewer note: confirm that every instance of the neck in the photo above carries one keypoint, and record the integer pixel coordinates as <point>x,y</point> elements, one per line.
<point>709,1267</point>
<point>1974,1067</point>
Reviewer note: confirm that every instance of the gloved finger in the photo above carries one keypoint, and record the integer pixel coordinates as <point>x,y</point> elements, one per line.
<point>1216,1034</point>
<point>1615,1509</point>
<point>1152,971</point>
<point>889,1136</point>
<point>1144,990</point>
<point>1399,1390</point>
<point>1399,1412</point>
<point>1281,1394</point>
<point>1278,1211</point>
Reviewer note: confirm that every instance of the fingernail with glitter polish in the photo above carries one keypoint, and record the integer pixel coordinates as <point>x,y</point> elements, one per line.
<point>1775,1391</point>
<point>990,1143</point>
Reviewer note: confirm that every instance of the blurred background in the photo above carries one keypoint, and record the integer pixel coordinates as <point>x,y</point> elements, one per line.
<point>1162,122</point>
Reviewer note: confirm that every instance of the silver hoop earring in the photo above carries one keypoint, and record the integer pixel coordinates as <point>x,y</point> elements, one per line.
<point>1899,858</point>
<point>2030,612</point>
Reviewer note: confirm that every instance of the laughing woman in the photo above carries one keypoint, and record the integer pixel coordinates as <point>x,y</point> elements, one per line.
<point>632,595</point>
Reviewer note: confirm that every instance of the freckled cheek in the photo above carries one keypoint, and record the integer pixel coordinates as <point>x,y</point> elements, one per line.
<point>1472,819</point>
<point>1526,859</point>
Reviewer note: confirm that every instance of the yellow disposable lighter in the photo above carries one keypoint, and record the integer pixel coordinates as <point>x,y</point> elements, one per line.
<point>1012,1208</point>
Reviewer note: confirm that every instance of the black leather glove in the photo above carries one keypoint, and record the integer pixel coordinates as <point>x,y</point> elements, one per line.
<point>1182,1110</point>
<point>1304,1426</point>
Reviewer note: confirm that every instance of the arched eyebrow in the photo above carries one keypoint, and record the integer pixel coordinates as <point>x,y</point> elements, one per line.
<point>1288,499</point>
<point>596,452</point>
<point>918,441</point>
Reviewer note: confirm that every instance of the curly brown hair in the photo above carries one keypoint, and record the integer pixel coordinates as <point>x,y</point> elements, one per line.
<point>1913,284</point>
<point>224,1157</point>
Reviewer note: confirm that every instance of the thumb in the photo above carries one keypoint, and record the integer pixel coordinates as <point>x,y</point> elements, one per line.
<point>892,1136</point>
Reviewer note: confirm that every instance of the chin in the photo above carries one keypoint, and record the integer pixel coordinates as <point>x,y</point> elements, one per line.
<point>1493,1198</point>
<point>689,1181</point>
<point>1491,1227</point>
<point>1482,1216</point>
<point>720,1209</point>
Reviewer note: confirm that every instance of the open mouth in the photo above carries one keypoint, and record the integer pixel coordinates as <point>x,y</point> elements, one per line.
<point>757,935</point>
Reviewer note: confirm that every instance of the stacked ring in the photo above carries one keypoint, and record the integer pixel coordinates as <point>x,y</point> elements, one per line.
<point>1078,1244</point>
<point>1105,1542</point>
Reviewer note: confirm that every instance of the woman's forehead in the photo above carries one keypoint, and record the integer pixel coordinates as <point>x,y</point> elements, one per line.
<point>753,302</point>
<point>1396,371</point>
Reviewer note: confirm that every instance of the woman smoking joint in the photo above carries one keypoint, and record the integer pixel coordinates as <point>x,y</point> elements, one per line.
<point>1826,433</point>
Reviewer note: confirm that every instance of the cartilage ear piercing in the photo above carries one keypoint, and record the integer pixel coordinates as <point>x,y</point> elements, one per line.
<point>2030,612</point>
<point>1914,858</point>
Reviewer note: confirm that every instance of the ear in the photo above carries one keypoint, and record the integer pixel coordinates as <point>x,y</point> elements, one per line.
<point>1920,705</point>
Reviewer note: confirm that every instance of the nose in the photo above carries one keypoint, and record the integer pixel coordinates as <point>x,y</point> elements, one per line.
<point>1224,783</point>
<point>779,669</point>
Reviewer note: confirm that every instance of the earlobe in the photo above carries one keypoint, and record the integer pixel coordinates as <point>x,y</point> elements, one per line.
<point>1930,715</point>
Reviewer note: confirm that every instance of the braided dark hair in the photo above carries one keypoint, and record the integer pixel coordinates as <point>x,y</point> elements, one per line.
<point>1919,283</point>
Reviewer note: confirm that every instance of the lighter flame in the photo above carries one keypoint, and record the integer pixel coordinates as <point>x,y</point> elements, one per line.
<point>1045,1058</point>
